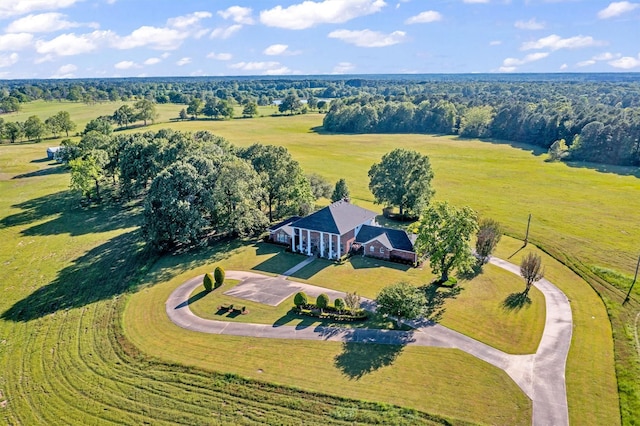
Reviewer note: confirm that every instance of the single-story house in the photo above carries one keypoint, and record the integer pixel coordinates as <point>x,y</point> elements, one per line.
<point>334,230</point>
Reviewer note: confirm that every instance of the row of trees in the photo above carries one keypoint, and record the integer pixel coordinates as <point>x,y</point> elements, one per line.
<point>591,132</point>
<point>34,129</point>
<point>191,185</point>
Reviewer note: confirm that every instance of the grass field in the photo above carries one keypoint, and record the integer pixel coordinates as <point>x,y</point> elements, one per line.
<point>47,243</point>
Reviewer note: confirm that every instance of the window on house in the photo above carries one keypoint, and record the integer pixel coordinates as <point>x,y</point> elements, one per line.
<point>381,250</point>
<point>372,249</point>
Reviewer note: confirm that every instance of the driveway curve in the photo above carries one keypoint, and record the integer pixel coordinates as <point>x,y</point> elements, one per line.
<point>541,376</point>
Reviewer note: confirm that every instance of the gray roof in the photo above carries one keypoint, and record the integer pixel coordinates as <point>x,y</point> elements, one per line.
<point>337,218</point>
<point>392,238</point>
<point>284,224</point>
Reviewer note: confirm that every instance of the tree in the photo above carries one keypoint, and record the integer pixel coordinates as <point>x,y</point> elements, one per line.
<point>443,235</point>
<point>341,191</point>
<point>13,131</point>
<point>487,238</point>
<point>319,186</point>
<point>195,107</point>
<point>124,115</point>
<point>403,179</point>
<point>352,300</point>
<point>100,125</point>
<point>51,124</point>
<point>224,109</point>
<point>34,128</point>
<point>531,270</point>
<point>64,123</point>
<point>177,209</point>
<point>291,103</point>
<point>322,302</point>
<point>183,114</point>
<point>87,172</point>
<point>218,273</point>
<point>300,299</point>
<point>339,304</point>
<point>285,189</point>
<point>312,102</point>
<point>250,109</point>
<point>401,300</point>
<point>558,150</point>
<point>207,282</point>
<point>145,110</point>
<point>209,109</point>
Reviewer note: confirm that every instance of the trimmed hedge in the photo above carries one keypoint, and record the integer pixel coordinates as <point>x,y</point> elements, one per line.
<point>300,299</point>
<point>219,276</point>
<point>331,313</point>
<point>207,281</point>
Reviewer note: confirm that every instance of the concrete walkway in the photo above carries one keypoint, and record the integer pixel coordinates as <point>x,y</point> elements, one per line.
<point>541,376</point>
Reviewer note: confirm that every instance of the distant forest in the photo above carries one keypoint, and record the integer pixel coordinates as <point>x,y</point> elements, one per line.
<point>578,117</point>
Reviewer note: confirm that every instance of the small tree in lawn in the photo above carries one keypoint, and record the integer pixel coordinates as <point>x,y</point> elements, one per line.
<point>352,300</point>
<point>339,304</point>
<point>531,270</point>
<point>401,300</point>
<point>218,274</point>
<point>207,281</point>
<point>300,299</point>
<point>341,191</point>
<point>487,238</point>
<point>322,302</point>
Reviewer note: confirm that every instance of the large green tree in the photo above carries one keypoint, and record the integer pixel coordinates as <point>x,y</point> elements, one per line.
<point>290,103</point>
<point>13,131</point>
<point>177,208</point>
<point>87,172</point>
<point>285,189</point>
<point>402,301</point>
<point>145,110</point>
<point>402,179</point>
<point>124,115</point>
<point>63,122</point>
<point>34,128</point>
<point>340,191</point>
<point>444,236</point>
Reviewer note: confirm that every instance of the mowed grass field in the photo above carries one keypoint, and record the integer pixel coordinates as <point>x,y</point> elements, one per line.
<point>460,168</point>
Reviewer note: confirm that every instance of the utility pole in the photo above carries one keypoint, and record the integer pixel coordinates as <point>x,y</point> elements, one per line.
<point>626,299</point>
<point>526,237</point>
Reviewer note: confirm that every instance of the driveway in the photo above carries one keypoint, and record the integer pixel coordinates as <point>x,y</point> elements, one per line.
<point>541,376</point>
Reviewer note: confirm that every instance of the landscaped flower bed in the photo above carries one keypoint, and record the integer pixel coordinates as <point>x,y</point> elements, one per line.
<point>331,313</point>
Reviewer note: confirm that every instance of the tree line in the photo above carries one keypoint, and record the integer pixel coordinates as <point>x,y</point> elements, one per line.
<point>585,130</point>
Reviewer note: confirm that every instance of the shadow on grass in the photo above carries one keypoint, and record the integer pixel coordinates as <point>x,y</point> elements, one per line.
<point>516,301</point>
<point>516,252</point>
<point>606,168</point>
<point>313,268</point>
<point>359,359</point>
<point>476,269</point>
<point>279,263</point>
<point>436,297</point>
<point>363,262</point>
<point>193,299</point>
<point>42,172</point>
<point>104,272</point>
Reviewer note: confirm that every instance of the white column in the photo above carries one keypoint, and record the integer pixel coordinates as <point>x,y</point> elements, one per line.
<point>308,242</point>
<point>293,239</point>
<point>300,240</point>
<point>338,244</point>
<point>330,246</point>
<point>322,244</point>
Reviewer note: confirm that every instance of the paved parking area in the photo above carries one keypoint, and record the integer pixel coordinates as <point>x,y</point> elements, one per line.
<point>266,290</point>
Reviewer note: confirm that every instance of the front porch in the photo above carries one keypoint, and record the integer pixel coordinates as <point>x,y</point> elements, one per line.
<point>314,243</point>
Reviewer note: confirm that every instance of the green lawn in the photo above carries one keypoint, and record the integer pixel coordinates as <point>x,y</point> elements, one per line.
<point>65,269</point>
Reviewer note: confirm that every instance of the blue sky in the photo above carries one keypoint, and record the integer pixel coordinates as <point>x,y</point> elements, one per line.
<point>130,38</point>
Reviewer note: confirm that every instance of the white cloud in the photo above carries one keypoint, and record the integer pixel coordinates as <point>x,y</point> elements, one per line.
<point>425,17</point>
<point>266,68</point>
<point>8,60</point>
<point>563,67</point>
<point>555,42</point>
<point>616,9</point>
<point>225,33</point>
<point>586,63</point>
<point>45,23</point>
<point>368,38</point>
<point>10,8</point>
<point>626,62</point>
<point>279,49</point>
<point>71,44</point>
<point>165,55</point>
<point>343,68</point>
<point>507,69</point>
<point>125,65</point>
<point>606,56</point>
<point>13,42</point>
<point>65,71</point>
<point>153,37</point>
<point>278,71</point>
<point>532,57</point>
<point>152,61</point>
<point>531,24</point>
<point>183,61</point>
<point>310,13</point>
<point>187,22</point>
<point>220,56</point>
<point>240,15</point>
<point>495,42</point>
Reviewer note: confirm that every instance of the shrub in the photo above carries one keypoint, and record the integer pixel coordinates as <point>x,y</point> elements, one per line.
<point>207,282</point>
<point>219,276</point>
<point>322,301</point>
<point>339,304</point>
<point>300,299</point>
